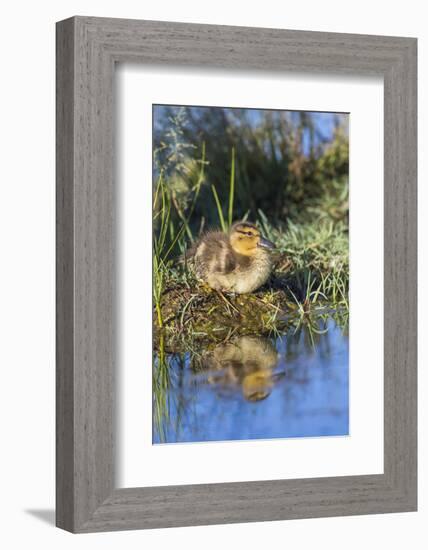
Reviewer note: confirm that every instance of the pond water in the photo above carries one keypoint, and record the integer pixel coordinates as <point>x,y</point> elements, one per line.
<point>253,387</point>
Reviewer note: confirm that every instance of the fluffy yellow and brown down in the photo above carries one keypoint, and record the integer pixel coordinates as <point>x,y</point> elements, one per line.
<point>239,261</point>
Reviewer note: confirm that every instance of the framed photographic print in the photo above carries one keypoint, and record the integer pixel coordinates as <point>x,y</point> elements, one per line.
<point>236,274</point>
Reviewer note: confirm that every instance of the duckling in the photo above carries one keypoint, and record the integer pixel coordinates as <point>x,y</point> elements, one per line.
<point>237,262</point>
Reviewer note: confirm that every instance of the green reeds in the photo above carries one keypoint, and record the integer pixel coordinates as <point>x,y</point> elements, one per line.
<point>231,188</point>
<point>161,216</point>
<point>225,226</point>
<point>219,209</point>
<point>161,384</point>
<point>166,234</point>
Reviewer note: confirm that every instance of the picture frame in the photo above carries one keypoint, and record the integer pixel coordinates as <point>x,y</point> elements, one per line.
<point>87,51</point>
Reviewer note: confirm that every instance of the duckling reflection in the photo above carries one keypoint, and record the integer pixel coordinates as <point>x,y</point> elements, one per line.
<point>247,362</point>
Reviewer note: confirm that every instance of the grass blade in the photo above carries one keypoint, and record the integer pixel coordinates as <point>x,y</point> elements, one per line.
<point>231,188</point>
<point>219,210</point>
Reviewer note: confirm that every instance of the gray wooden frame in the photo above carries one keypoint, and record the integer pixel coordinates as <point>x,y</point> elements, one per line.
<point>87,50</point>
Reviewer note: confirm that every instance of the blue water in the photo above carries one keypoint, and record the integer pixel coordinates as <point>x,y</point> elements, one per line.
<point>296,385</point>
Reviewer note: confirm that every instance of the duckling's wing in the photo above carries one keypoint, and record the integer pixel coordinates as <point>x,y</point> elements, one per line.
<point>214,254</point>
<point>229,262</point>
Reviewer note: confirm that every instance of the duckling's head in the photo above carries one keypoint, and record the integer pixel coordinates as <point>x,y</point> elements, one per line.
<point>257,385</point>
<point>247,240</point>
<point>248,361</point>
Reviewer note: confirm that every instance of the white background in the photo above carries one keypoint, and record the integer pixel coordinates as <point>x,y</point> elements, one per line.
<point>27,273</point>
<point>362,452</point>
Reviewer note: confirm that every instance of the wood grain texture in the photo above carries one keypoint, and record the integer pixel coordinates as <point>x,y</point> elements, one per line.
<point>64,278</point>
<point>87,49</point>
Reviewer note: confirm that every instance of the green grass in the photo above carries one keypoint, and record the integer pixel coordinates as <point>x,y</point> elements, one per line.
<point>315,260</point>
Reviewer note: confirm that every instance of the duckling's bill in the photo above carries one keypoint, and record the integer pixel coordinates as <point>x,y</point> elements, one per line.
<point>266,243</point>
